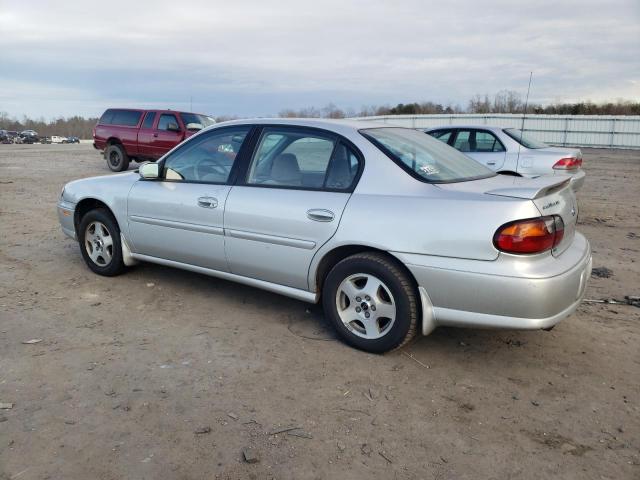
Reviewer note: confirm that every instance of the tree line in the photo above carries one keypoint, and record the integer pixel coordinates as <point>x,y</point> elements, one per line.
<point>505,101</point>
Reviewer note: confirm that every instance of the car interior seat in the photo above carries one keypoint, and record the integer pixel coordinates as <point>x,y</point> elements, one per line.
<point>286,171</point>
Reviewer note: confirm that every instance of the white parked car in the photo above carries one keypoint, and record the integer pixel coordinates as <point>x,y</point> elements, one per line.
<point>58,139</point>
<point>509,151</point>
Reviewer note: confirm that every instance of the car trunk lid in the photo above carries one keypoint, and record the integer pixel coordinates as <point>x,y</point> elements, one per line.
<point>550,195</point>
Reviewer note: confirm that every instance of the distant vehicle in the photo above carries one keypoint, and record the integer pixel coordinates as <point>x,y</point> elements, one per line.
<point>13,135</point>
<point>391,230</point>
<point>29,136</point>
<point>45,140</point>
<point>72,140</point>
<point>509,151</point>
<point>4,137</point>
<point>58,139</point>
<point>127,134</point>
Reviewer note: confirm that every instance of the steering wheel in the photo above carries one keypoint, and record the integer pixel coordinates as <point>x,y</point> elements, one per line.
<point>208,165</point>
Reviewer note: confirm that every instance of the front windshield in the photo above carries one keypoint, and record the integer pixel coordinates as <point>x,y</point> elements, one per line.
<point>195,121</point>
<point>424,157</point>
<point>524,139</point>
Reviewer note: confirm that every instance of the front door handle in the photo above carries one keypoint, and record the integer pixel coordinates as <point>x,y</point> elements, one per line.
<point>320,215</point>
<point>491,163</point>
<point>207,202</point>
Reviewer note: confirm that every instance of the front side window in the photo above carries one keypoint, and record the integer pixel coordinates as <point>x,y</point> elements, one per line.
<point>302,159</point>
<point>424,157</point>
<point>206,158</point>
<point>524,139</point>
<point>167,120</point>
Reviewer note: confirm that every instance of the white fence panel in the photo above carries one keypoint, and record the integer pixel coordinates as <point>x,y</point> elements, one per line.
<point>608,131</point>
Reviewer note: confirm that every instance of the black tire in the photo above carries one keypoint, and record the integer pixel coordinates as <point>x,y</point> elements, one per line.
<point>399,284</point>
<point>117,159</point>
<point>115,266</point>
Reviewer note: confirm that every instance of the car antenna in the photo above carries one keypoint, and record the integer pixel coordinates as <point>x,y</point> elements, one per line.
<point>526,103</point>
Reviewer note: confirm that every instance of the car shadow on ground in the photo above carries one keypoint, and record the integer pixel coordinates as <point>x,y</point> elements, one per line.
<point>307,321</point>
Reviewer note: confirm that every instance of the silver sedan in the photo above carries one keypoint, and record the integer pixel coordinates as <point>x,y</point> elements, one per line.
<point>393,231</point>
<point>510,151</point>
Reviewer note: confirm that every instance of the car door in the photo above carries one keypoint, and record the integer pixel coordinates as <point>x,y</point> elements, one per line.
<point>288,203</point>
<point>481,145</point>
<point>166,135</point>
<point>146,135</point>
<point>179,216</point>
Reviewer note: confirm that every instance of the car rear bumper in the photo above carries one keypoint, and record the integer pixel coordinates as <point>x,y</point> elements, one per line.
<point>511,292</point>
<point>66,211</point>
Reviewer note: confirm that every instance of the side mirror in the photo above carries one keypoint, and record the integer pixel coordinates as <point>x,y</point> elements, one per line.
<point>194,127</point>
<point>173,127</point>
<point>149,171</point>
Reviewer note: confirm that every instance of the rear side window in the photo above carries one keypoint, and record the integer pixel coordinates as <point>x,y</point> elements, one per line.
<point>424,157</point>
<point>442,135</point>
<point>126,118</point>
<point>487,142</point>
<point>302,159</point>
<point>148,120</point>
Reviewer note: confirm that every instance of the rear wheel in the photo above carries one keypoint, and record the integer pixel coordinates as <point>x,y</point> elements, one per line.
<point>371,302</point>
<point>117,158</point>
<point>99,238</point>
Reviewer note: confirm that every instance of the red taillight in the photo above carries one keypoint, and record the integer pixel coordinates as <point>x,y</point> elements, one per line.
<point>569,163</point>
<point>534,235</point>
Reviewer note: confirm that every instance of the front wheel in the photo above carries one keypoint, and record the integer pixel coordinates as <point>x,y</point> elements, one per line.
<point>372,302</point>
<point>117,158</point>
<point>99,238</point>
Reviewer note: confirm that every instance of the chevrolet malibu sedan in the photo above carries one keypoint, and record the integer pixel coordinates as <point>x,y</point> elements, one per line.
<point>512,152</point>
<point>392,230</point>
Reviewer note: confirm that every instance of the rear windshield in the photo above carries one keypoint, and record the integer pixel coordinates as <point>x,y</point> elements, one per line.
<point>524,139</point>
<point>127,118</point>
<point>195,121</point>
<point>424,157</point>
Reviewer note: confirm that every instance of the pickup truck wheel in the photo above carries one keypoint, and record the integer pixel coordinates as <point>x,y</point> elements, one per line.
<point>99,238</point>
<point>117,158</point>
<point>371,302</point>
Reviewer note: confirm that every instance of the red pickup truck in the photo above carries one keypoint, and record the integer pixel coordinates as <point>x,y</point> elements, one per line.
<point>129,134</point>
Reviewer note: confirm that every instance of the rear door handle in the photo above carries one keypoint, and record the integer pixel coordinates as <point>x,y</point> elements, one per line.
<point>155,134</point>
<point>207,202</point>
<point>320,215</point>
<point>491,163</point>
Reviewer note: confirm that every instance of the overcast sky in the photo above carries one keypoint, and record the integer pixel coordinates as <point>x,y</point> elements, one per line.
<point>259,57</point>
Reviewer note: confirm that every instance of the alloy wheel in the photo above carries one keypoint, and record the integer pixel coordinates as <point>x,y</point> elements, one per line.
<point>366,306</point>
<point>98,243</point>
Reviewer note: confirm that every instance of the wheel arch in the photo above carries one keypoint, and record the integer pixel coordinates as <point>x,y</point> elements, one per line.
<point>339,253</point>
<point>113,141</point>
<point>509,173</point>
<point>86,205</point>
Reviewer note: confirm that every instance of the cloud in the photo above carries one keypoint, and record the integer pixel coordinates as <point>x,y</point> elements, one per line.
<point>256,58</point>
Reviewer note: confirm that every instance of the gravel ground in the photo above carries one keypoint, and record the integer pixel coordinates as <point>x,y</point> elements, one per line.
<point>161,373</point>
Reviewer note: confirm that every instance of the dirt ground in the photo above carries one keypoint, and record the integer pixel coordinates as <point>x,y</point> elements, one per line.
<point>165,374</point>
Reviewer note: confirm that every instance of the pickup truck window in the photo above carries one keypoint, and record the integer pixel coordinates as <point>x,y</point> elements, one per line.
<point>127,118</point>
<point>165,120</point>
<point>148,120</point>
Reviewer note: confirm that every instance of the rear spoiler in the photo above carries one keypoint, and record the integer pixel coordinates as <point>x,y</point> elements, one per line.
<point>532,188</point>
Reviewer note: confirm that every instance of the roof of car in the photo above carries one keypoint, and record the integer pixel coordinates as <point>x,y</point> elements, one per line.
<point>482,127</point>
<point>325,123</point>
